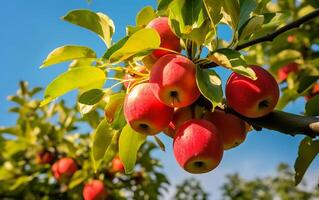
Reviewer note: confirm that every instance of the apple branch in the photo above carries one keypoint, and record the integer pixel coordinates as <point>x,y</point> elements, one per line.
<point>273,35</point>
<point>284,122</point>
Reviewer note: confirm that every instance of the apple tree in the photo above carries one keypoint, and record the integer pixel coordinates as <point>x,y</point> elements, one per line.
<point>161,77</point>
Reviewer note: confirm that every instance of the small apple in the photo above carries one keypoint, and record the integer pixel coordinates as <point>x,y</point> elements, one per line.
<point>284,71</point>
<point>144,112</point>
<point>94,190</point>
<point>231,128</point>
<point>44,157</point>
<point>174,80</point>
<point>252,98</point>
<point>117,165</point>
<point>180,116</point>
<point>197,146</point>
<point>168,39</point>
<point>64,168</point>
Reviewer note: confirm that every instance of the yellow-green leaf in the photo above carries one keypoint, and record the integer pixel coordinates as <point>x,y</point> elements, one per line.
<point>129,144</point>
<point>67,53</point>
<point>85,78</point>
<point>145,16</point>
<point>141,41</point>
<point>99,23</point>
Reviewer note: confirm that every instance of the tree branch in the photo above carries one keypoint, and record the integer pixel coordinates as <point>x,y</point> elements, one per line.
<point>271,36</point>
<point>286,123</point>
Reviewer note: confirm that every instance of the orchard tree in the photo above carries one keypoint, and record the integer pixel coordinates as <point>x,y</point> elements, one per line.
<point>160,77</point>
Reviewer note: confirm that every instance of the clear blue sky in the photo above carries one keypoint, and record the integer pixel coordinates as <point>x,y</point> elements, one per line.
<point>31,29</point>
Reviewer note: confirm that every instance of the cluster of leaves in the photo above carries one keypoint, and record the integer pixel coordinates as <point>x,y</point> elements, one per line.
<point>59,129</point>
<point>280,186</point>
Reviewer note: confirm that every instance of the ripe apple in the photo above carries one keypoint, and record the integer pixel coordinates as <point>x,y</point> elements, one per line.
<point>231,128</point>
<point>168,39</point>
<point>180,116</point>
<point>64,168</point>
<point>44,157</point>
<point>117,165</point>
<point>131,78</point>
<point>174,80</point>
<point>197,146</point>
<point>94,190</point>
<point>144,112</point>
<point>252,98</point>
<point>284,71</point>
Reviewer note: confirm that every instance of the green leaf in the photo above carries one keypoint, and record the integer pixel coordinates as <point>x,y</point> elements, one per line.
<point>246,7</point>
<point>67,53</point>
<point>214,10</point>
<point>129,144</point>
<point>231,14</point>
<point>250,27</point>
<point>142,41</point>
<point>20,181</point>
<point>286,97</point>
<point>308,150</point>
<point>145,16</point>
<point>233,60</point>
<point>306,81</point>
<point>91,97</point>
<point>78,177</point>
<point>101,140</point>
<point>114,110</point>
<point>115,47</point>
<point>162,6</point>
<point>312,108</point>
<point>112,149</point>
<point>99,23</point>
<point>210,85</point>
<point>190,15</point>
<point>78,78</point>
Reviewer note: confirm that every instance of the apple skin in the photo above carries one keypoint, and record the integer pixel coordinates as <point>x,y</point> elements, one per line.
<point>252,98</point>
<point>117,165</point>
<point>168,39</point>
<point>174,80</point>
<point>144,112</point>
<point>197,146</point>
<point>94,190</point>
<point>232,129</point>
<point>44,157</point>
<point>284,71</point>
<point>180,116</point>
<point>64,168</point>
<point>132,77</point>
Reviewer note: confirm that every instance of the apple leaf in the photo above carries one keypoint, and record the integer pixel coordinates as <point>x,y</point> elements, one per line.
<point>67,53</point>
<point>308,150</point>
<point>145,16</point>
<point>98,23</point>
<point>214,10</point>
<point>113,106</point>
<point>312,108</point>
<point>231,13</point>
<point>77,178</point>
<point>233,60</point>
<point>246,7</point>
<point>252,25</point>
<point>115,47</point>
<point>85,78</point>
<point>101,140</point>
<point>162,6</point>
<point>210,85</point>
<point>189,14</point>
<point>129,143</point>
<point>91,97</point>
<point>306,82</point>
<point>141,41</point>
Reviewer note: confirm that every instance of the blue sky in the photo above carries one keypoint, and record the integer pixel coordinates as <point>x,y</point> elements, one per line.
<point>31,29</point>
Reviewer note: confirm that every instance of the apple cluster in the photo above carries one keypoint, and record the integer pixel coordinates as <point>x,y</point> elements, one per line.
<point>168,103</point>
<point>64,168</point>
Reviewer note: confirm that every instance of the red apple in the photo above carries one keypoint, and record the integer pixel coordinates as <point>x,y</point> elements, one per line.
<point>44,157</point>
<point>291,38</point>
<point>94,190</point>
<point>64,168</point>
<point>174,80</point>
<point>231,128</point>
<point>144,112</point>
<point>197,146</point>
<point>180,116</point>
<point>132,77</point>
<point>117,165</point>
<point>168,39</point>
<point>284,71</point>
<point>252,98</point>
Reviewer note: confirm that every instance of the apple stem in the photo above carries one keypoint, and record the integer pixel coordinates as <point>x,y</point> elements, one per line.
<point>284,122</point>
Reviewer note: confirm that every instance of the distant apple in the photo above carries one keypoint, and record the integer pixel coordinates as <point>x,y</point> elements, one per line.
<point>285,70</point>
<point>94,190</point>
<point>64,168</point>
